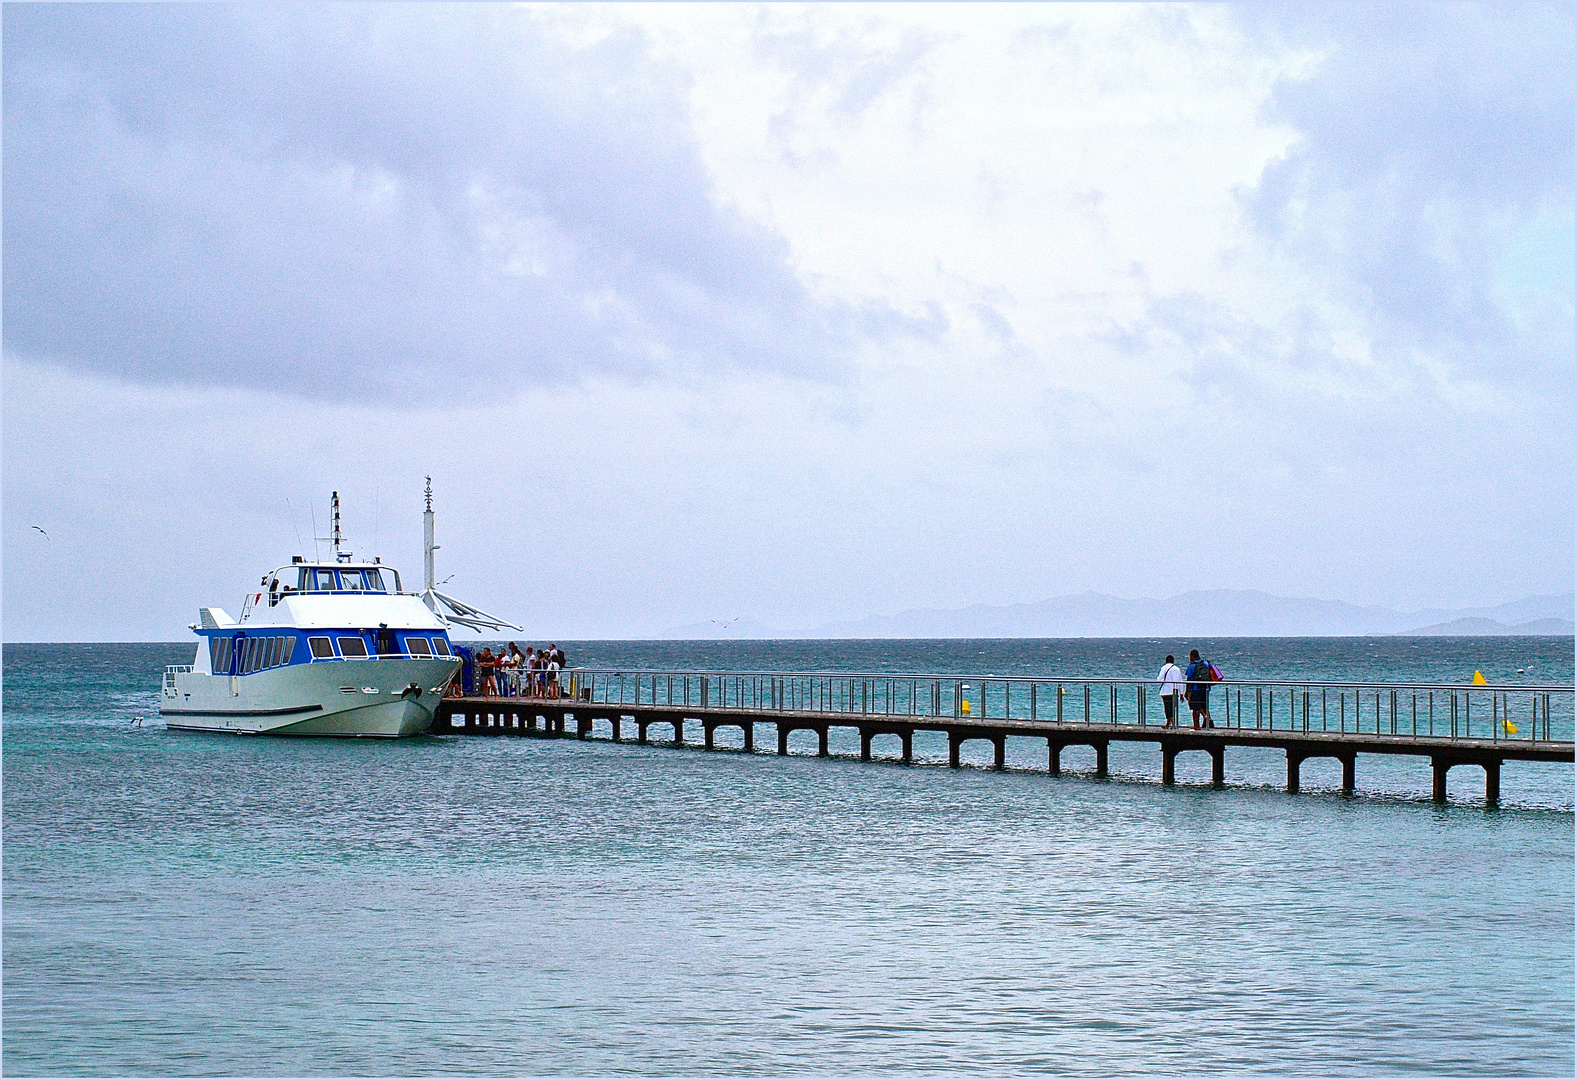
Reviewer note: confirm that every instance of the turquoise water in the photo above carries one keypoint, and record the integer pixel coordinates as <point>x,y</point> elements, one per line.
<point>184,904</point>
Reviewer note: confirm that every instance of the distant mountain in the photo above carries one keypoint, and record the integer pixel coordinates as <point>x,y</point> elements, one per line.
<point>1480,627</point>
<point>1215,612</point>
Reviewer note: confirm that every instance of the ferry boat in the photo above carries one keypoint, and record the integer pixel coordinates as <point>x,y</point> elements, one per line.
<point>333,647</point>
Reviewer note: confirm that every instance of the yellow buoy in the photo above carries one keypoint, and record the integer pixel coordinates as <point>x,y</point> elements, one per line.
<point>1479,680</point>
<point>964,708</point>
<point>1511,729</point>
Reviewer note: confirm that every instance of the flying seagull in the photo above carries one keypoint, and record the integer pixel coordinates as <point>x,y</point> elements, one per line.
<point>724,625</point>
<point>46,535</point>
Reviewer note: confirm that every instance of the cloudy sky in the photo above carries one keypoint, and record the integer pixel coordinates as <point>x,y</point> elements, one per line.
<point>789,313</point>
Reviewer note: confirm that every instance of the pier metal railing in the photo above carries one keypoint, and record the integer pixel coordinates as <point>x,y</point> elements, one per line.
<point>1530,713</point>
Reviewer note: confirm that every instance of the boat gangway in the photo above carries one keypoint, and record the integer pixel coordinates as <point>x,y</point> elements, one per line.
<point>1450,724</point>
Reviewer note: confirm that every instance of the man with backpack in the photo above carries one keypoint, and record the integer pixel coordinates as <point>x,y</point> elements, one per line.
<point>1200,674</point>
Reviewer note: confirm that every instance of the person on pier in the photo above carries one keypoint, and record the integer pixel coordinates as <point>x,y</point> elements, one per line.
<point>508,677</point>
<point>517,669</point>
<point>1200,675</point>
<point>1173,686</point>
<point>487,668</point>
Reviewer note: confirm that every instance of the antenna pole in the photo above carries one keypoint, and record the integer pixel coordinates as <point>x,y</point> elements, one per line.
<point>458,613</point>
<point>335,530</point>
<point>428,547</point>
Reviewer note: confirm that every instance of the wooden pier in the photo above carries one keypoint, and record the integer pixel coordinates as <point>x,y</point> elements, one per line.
<point>746,707</point>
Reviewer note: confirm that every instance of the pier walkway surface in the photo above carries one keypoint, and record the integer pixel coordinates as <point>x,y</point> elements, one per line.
<point>1451,725</point>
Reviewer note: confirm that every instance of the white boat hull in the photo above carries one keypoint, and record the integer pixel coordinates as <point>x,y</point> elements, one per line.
<point>370,698</point>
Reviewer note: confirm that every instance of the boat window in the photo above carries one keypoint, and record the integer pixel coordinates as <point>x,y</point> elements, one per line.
<point>222,655</point>
<point>325,581</point>
<point>215,650</point>
<point>274,645</point>
<point>374,580</point>
<point>352,646</point>
<point>350,580</point>
<point>304,582</point>
<point>243,663</point>
<point>290,647</point>
<point>254,650</point>
<point>418,646</point>
<point>442,646</point>
<point>322,648</point>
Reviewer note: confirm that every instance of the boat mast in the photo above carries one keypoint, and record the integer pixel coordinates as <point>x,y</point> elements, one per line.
<point>458,611</point>
<point>428,547</point>
<point>335,537</point>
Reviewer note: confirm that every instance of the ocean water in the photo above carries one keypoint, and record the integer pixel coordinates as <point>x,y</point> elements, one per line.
<point>185,904</point>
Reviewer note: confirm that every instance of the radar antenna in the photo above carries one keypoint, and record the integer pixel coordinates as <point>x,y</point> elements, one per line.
<point>335,537</point>
<point>458,611</point>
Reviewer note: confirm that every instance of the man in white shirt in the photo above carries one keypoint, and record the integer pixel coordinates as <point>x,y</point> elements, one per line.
<point>1172,684</point>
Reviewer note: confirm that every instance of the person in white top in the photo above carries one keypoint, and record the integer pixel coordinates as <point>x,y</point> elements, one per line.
<point>507,679</point>
<point>1172,684</point>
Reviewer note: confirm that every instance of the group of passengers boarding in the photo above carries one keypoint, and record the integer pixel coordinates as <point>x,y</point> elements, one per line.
<point>512,673</point>
<point>1193,684</point>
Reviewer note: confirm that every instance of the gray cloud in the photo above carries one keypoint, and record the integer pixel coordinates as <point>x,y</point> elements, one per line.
<point>1428,136</point>
<point>346,201</point>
